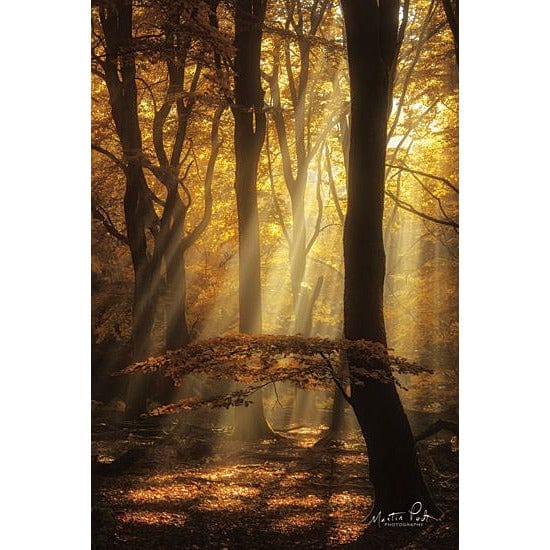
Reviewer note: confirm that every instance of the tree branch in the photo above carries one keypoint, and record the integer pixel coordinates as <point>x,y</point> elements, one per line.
<point>273,193</point>
<point>99,213</point>
<point>437,427</point>
<point>109,155</point>
<point>409,208</point>
<point>191,238</point>
<point>425,174</point>
<point>335,378</point>
<point>317,229</point>
<point>332,186</point>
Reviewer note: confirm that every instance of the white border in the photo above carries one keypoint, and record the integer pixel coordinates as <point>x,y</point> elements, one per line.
<point>45,126</point>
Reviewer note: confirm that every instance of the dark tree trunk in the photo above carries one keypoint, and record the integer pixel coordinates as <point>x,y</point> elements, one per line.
<point>143,312</point>
<point>120,73</point>
<point>250,127</point>
<point>338,411</point>
<point>336,429</point>
<point>177,332</point>
<point>372,45</point>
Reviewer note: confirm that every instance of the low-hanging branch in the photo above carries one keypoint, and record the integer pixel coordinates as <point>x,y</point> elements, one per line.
<point>256,361</point>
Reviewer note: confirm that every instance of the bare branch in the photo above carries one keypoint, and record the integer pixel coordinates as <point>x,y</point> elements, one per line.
<point>185,188</point>
<point>421,41</point>
<point>150,90</point>
<point>332,186</point>
<point>317,229</point>
<point>335,378</point>
<point>111,156</point>
<point>99,213</point>
<point>273,192</point>
<point>193,235</point>
<point>409,208</point>
<point>425,174</point>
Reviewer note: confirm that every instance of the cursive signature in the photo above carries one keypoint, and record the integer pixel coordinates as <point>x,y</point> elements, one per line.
<point>416,516</point>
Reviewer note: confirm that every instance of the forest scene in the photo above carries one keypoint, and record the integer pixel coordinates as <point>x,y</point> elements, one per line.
<point>274,274</point>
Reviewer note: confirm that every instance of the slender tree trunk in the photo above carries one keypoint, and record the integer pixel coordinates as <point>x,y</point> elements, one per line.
<point>371,31</point>
<point>296,185</point>
<point>337,428</point>
<point>298,255</point>
<point>143,304</point>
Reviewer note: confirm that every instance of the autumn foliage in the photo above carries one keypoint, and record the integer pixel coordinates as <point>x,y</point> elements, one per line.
<point>256,361</point>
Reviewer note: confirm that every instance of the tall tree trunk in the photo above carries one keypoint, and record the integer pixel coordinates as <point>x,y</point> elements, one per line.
<point>250,127</point>
<point>372,46</point>
<point>143,310</point>
<point>120,78</point>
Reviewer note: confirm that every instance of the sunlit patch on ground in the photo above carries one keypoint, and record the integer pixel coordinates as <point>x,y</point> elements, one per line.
<point>228,497</point>
<point>350,459</point>
<point>307,437</point>
<point>153,518</point>
<point>348,513</point>
<point>309,501</point>
<point>169,492</point>
<point>346,533</point>
<point>162,478</point>
<point>294,479</point>
<point>349,501</point>
<point>220,473</point>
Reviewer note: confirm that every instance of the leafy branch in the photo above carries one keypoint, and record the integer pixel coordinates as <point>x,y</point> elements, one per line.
<point>257,361</point>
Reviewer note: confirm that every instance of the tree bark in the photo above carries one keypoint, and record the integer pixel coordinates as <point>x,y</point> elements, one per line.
<point>177,332</point>
<point>250,128</point>
<point>372,45</point>
<point>250,125</point>
<point>119,74</point>
<point>160,271</point>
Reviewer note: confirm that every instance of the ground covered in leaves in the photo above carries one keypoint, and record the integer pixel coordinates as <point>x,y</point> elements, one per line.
<point>195,487</point>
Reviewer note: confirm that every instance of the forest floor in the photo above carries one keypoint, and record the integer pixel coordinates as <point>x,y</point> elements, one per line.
<point>205,490</point>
